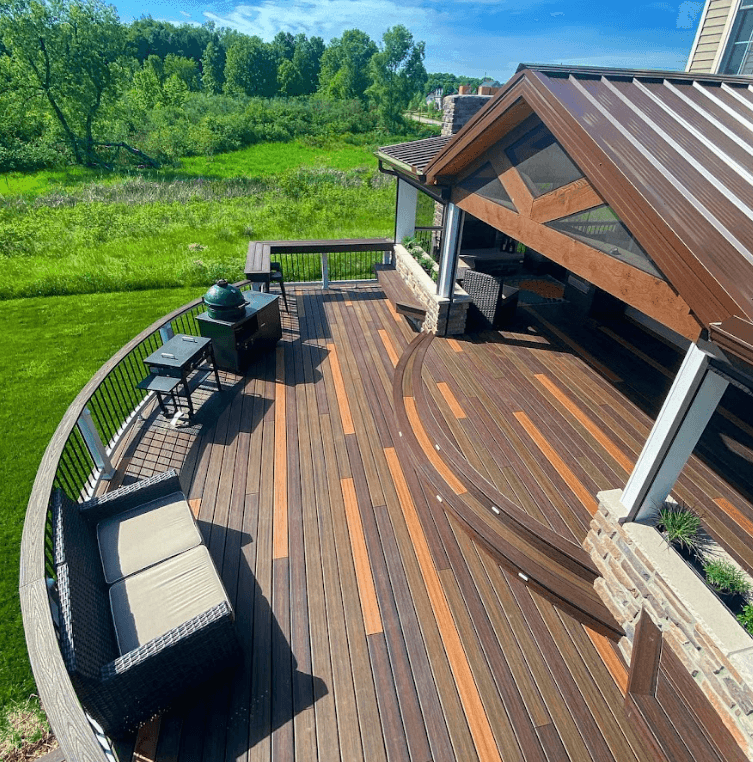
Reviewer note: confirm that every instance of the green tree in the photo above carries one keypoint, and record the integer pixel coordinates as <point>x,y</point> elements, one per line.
<point>307,60</point>
<point>146,84</point>
<point>64,53</point>
<point>289,80</point>
<point>250,68</point>
<point>213,68</point>
<point>185,69</point>
<point>344,71</point>
<point>283,46</point>
<point>397,72</point>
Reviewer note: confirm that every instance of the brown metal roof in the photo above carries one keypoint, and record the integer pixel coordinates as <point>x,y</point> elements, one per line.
<point>671,152</point>
<point>413,156</point>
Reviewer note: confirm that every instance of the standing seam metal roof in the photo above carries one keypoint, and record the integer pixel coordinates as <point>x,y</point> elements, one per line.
<point>672,153</point>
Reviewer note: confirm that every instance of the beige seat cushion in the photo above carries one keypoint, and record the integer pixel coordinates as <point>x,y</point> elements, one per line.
<point>138,539</point>
<point>156,600</point>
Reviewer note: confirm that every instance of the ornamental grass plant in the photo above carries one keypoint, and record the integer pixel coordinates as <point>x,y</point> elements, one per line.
<point>681,527</point>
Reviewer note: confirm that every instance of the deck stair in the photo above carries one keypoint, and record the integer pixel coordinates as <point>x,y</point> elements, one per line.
<point>554,566</point>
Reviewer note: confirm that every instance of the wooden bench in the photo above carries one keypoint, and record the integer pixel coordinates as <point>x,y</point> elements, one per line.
<point>398,292</point>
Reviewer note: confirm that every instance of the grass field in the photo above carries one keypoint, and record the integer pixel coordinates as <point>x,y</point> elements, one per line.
<point>255,161</point>
<point>84,233</point>
<point>103,256</point>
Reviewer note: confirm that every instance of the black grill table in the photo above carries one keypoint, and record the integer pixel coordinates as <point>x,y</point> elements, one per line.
<point>171,364</point>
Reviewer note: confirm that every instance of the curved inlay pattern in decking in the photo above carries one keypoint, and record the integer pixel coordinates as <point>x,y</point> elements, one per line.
<point>556,567</point>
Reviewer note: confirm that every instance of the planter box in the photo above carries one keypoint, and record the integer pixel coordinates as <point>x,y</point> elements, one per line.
<point>440,312</point>
<point>640,571</point>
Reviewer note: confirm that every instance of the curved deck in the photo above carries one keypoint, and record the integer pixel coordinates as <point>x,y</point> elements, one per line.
<point>377,625</point>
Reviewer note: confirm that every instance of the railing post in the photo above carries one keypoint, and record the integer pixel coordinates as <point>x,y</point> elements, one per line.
<point>325,270</point>
<point>167,332</point>
<point>94,444</point>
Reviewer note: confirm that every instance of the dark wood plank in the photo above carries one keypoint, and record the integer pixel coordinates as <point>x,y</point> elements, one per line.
<point>644,661</point>
<point>394,734</point>
<point>676,680</point>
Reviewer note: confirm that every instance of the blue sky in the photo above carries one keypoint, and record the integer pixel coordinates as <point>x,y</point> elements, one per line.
<point>470,37</point>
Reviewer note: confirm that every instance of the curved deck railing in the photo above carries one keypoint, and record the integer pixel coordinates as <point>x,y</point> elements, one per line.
<point>76,460</point>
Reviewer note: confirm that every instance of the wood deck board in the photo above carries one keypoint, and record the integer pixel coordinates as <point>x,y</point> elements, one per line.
<point>467,663</point>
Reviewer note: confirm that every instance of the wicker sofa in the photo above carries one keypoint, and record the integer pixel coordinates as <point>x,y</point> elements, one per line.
<point>143,613</point>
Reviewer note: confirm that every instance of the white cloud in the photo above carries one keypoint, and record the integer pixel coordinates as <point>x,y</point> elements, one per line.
<point>330,18</point>
<point>557,13</point>
<point>183,13</point>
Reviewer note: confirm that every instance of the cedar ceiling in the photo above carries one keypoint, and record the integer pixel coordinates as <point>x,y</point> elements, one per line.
<point>671,153</point>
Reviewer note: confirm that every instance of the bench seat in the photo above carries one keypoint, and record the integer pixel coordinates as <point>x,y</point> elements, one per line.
<point>161,598</point>
<point>137,539</point>
<point>398,292</point>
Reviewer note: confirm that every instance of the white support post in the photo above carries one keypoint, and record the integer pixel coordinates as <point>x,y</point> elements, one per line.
<point>167,332</point>
<point>94,444</point>
<point>405,211</point>
<point>325,270</point>
<point>691,402</point>
<point>453,224</point>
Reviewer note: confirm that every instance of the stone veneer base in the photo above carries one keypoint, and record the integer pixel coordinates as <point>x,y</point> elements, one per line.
<point>639,570</point>
<point>439,310</point>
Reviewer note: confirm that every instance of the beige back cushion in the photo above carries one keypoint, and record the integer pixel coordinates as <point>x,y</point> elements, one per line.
<point>138,539</point>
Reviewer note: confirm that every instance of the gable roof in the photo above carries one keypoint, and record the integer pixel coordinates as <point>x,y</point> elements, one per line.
<point>671,153</point>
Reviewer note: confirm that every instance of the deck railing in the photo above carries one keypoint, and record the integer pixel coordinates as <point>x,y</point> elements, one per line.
<point>429,238</point>
<point>330,261</point>
<point>76,460</point>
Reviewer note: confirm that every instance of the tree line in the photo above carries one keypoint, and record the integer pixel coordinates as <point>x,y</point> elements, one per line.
<point>74,79</point>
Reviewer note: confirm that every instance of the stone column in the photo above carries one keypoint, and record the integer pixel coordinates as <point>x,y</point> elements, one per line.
<point>691,402</point>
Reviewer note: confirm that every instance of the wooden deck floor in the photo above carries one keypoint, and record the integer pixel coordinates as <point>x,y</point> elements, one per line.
<point>374,627</point>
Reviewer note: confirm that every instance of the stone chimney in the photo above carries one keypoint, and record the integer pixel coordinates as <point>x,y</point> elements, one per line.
<point>458,109</point>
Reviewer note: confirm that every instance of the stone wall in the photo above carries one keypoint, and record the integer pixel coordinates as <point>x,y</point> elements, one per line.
<point>424,289</point>
<point>458,109</point>
<point>639,570</point>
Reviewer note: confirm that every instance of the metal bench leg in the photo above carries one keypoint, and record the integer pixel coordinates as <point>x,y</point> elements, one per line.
<point>284,296</point>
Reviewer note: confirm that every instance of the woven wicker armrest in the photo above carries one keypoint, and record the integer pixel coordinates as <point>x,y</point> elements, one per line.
<point>130,496</point>
<point>145,681</point>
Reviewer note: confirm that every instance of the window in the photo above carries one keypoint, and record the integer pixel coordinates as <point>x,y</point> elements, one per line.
<point>738,58</point>
<point>541,161</point>
<point>485,183</point>
<point>601,229</point>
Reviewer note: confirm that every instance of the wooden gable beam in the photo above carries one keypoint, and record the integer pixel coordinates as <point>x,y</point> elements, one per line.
<point>570,199</point>
<point>646,293</point>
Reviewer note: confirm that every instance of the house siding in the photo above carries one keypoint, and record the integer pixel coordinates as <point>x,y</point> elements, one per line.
<point>711,36</point>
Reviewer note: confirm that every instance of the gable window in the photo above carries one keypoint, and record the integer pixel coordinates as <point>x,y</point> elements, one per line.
<point>738,58</point>
<point>485,183</point>
<point>541,161</point>
<point>601,229</point>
